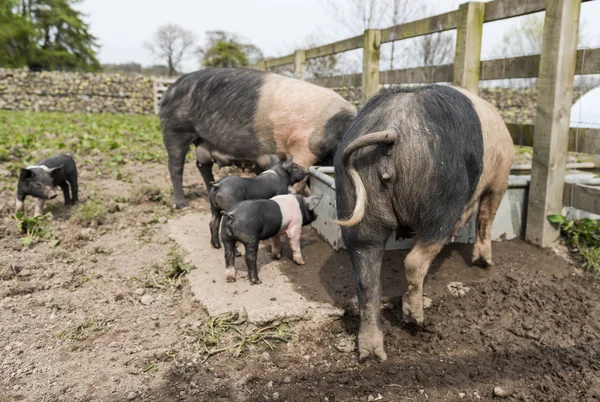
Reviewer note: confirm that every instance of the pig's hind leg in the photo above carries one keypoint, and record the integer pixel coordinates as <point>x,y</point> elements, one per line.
<point>251,254</point>
<point>230,252</point>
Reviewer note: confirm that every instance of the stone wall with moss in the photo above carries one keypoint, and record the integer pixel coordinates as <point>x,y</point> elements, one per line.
<point>106,93</point>
<point>75,92</point>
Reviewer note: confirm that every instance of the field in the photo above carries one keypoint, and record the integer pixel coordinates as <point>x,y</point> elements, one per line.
<point>95,304</point>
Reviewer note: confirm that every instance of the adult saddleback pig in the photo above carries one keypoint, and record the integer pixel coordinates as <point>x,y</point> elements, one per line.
<point>237,115</point>
<point>420,161</point>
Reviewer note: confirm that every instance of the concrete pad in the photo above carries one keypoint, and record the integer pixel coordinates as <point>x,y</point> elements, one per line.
<point>274,299</point>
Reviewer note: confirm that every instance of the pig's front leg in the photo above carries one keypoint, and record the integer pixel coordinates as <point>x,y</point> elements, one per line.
<point>230,252</point>
<point>39,206</point>
<point>294,235</point>
<point>19,205</point>
<point>276,247</point>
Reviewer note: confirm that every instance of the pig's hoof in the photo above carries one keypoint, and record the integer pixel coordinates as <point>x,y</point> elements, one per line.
<point>180,204</point>
<point>215,244</point>
<point>299,260</point>
<point>482,262</point>
<point>238,253</point>
<point>371,344</point>
<point>230,274</point>
<point>276,256</point>
<point>255,281</point>
<point>411,312</point>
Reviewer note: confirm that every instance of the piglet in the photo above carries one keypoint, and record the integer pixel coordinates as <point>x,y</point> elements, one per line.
<point>249,222</point>
<point>230,190</point>
<point>40,179</point>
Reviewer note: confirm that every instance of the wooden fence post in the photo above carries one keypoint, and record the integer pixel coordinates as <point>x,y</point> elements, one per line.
<point>468,45</point>
<point>551,135</point>
<point>299,64</point>
<point>370,73</point>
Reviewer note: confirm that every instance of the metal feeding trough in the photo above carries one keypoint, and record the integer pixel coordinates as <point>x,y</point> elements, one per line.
<point>509,222</point>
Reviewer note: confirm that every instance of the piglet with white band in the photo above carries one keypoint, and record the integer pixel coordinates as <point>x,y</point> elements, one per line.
<point>40,179</point>
<point>225,193</point>
<point>249,222</point>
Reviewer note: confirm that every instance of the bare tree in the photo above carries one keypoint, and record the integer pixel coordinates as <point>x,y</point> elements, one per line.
<point>352,17</point>
<point>171,44</point>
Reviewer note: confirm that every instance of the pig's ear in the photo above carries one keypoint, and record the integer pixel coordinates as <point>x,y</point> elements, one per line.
<point>55,170</point>
<point>313,201</point>
<point>287,165</point>
<point>273,159</point>
<point>25,174</point>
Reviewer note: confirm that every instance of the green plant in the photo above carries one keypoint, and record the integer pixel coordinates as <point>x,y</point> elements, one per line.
<point>81,331</point>
<point>231,332</point>
<point>176,264</point>
<point>91,212</point>
<point>583,238</point>
<point>171,273</point>
<point>35,228</point>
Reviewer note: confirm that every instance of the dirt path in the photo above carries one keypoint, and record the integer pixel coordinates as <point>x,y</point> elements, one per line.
<point>96,319</point>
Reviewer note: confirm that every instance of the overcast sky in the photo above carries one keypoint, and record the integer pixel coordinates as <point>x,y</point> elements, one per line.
<point>275,26</point>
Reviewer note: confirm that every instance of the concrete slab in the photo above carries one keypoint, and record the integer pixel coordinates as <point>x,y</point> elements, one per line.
<point>274,299</point>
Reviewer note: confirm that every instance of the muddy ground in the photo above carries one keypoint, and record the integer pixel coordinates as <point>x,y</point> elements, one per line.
<point>86,320</point>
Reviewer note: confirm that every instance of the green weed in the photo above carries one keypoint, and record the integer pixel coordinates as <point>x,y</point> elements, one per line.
<point>583,239</point>
<point>81,331</point>
<point>93,212</point>
<point>230,332</point>
<point>35,229</point>
<point>171,273</point>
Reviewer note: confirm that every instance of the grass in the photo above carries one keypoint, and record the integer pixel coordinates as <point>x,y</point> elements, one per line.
<point>583,239</point>
<point>26,137</point>
<point>171,273</point>
<point>230,332</point>
<point>81,331</point>
<point>93,212</point>
<point>35,229</point>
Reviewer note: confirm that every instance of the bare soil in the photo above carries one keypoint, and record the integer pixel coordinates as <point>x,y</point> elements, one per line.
<point>73,326</point>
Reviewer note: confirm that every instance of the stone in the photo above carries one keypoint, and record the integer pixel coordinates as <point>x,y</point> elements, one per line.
<point>500,392</point>
<point>131,396</point>
<point>147,300</point>
<point>139,291</point>
<point>275,396</point>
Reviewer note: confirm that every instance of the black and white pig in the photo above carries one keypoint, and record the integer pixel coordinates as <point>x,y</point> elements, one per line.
<point>249,222</point>
<point>419,161</point>
<point>40,179</point>
<point>237,115</point>
<point>230,190</point>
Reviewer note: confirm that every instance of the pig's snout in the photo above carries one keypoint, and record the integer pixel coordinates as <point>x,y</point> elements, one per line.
<point>50,193</point>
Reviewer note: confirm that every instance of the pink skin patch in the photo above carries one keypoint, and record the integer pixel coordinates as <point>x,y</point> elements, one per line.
<point>291,223</point>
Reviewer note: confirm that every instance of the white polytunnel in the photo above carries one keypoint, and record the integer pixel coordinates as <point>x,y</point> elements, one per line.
<point>585,113</point>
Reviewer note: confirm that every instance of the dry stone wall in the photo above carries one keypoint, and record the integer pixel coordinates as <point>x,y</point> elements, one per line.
<point>75,92</point>
<point>107,93</point>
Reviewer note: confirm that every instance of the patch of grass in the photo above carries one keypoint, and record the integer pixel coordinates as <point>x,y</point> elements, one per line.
<point>176,264</point>
<point>28,136</point>
<point>93,212</point>
<point>230,332</point>
<point>82,330</point>
<point>171,273</point>
<point>583,239</point>
<point>35,229</point>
